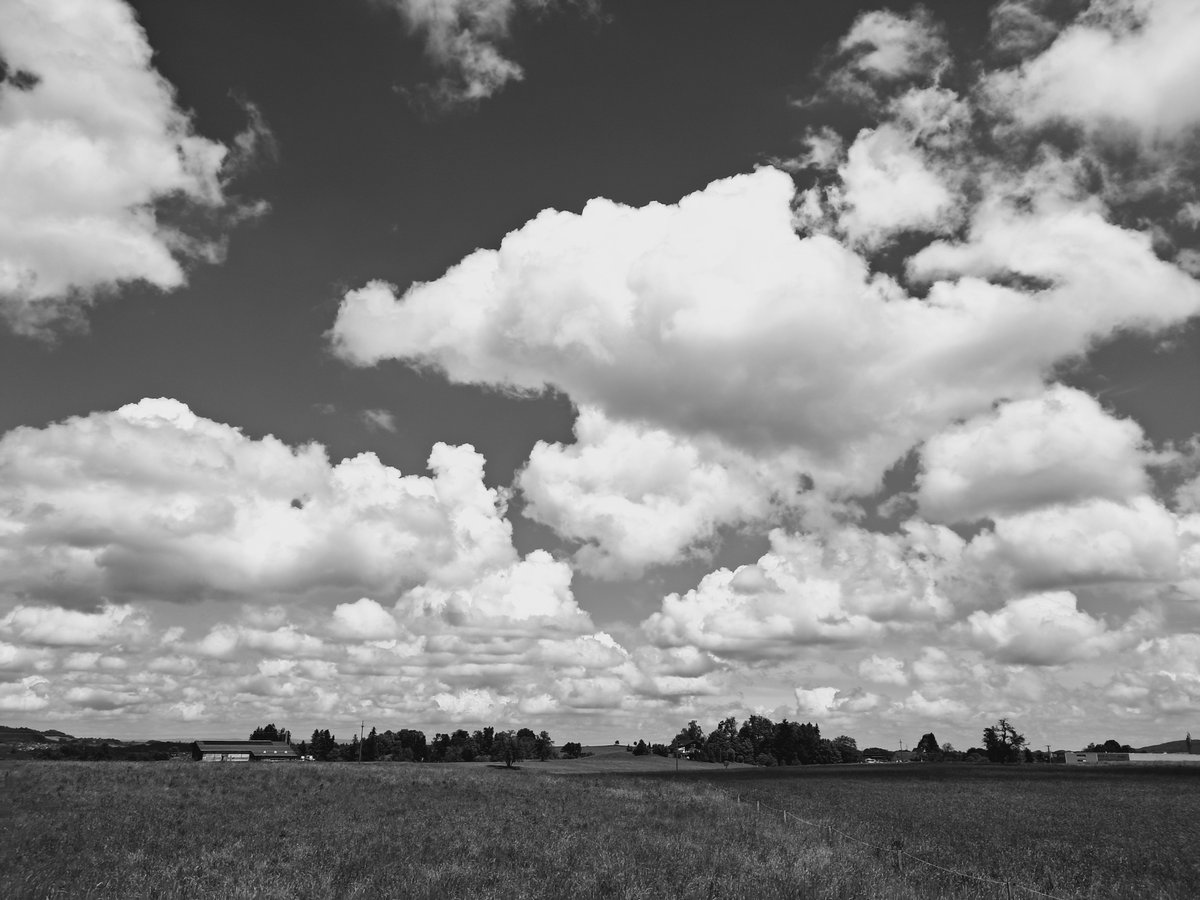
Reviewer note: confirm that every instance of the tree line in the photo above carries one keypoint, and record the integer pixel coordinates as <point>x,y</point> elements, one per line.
<point>410,745</point>
<point>758,741</point>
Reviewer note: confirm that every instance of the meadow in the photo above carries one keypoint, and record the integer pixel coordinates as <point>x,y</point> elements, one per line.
<point>605,826</point>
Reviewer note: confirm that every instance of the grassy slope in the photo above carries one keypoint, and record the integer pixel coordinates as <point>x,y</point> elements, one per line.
<point>396,830</point>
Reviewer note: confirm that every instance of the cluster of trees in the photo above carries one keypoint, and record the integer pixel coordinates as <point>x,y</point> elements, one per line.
<point>407,745</point>
<point>271,733</point>
<point>759,741</point>
<point>1109,746</point>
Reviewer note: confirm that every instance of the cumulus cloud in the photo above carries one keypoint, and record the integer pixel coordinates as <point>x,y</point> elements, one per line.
<point>1095,541</point>
<point>24,696</point>
<point>844,587</point>
<point>1128,62</point>
<point>825,703</point>
<point>1043,630</point>
<point>883,669</point>
<point>399,595</point>
<point>91,143</point>
<point>54,626</point>
<point>888,187</point>
<point>711,317</point>
<point>637,496</point>
<point>1058,448</point>
<point>884,47</point>
<point>154,501</point>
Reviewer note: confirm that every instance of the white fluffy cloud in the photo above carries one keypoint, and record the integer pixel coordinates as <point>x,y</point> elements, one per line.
<point>637,496</point>
<point>711,317</point>
<point>154,501</point>
<point>90,141</point>
<point>889,187</point>
<point>885,46</point>
<point>1058,448</point>
<point>846,587</point>
<point>1042,629</point>
<point>1091,542</point>
<point>1129,62</point>
<point>883,669</point>
<point>57,627</point>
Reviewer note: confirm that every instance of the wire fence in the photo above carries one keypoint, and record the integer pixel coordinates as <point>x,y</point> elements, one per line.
<point>897,852</point>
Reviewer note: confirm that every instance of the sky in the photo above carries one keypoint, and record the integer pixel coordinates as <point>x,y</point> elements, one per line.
<point>600,365</point>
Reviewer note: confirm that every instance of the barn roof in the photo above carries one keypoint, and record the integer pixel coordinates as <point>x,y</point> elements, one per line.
<point>257,749</point>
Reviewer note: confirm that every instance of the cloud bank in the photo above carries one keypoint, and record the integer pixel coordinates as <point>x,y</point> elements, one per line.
<point>757,357</point>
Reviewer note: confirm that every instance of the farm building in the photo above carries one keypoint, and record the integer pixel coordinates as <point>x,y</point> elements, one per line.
<point>1099,758</point>
<point>243,751</point>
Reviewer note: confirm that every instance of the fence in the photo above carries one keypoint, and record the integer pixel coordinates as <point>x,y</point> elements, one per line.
<point>898,853</point>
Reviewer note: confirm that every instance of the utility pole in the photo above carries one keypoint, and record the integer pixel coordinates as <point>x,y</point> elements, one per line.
<point>360,739</point>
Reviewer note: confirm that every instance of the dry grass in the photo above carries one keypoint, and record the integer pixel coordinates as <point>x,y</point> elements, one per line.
<point>397,830</point>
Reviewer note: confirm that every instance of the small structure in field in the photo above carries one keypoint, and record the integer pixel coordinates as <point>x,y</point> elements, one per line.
<point>243,751</point>
<point>1100,758</point>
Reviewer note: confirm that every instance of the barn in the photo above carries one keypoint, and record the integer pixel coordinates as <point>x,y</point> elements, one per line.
<point>243,751</point>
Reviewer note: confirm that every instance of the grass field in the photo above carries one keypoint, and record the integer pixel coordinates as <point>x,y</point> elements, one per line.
<point>605,826</point>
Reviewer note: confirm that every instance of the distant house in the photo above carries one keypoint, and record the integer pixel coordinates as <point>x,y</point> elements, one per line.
<point>1094,758</point>
<point>243,751</point>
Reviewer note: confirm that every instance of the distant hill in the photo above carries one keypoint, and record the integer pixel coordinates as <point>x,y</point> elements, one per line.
<point>1172,747</point>
<point>10,735</point>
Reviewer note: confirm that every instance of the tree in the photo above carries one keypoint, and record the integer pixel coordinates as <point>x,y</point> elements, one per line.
<point>1002,742</point>
<point>271,733</point>
<point>543,746</point>
<point>847,748</point>
<point>323,745</point>
<point>507,748</point>
<point>641,748</point>
<point>692,735</point>
<point>483,740</point>
<point>928,744</point>
<point>572,750</point>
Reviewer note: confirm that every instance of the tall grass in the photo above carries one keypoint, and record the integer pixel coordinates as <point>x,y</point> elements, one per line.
<point>395,830</point>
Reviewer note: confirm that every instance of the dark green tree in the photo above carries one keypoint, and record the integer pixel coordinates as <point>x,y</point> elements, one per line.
<point>370,748</point>
<point>412,745</point>
<point>323,745</point>
<point>543,746</point>
<point>928,744</point>
<point>1002,742</point>
<point>271,733</point>
<point>483,740</point>
<point>528,741</point>
<point>506,747</point>
<point>847,748</point>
